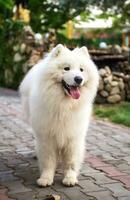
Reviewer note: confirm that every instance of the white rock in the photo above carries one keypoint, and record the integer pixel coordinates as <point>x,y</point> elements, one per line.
<point>108,69</point>
<point>22,47</point>
<point>115,90</point>
<point>104,93</point>
<point>17,57</point>
<point>101,85</point>
<point>102,72</point>
<point>121,85</point>
<point>115,78</point>
<point>114,83</point>
<point>114,98</point>
<point>16,47</point>
<point>108,87</point>
<point>108,79</point>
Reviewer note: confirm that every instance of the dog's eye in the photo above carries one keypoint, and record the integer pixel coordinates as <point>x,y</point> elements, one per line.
<point>67,68</point>
<point>81,69</point>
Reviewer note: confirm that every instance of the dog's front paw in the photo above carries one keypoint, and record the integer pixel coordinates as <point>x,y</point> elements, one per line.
<point>44,182</point>
<point>70,181</point>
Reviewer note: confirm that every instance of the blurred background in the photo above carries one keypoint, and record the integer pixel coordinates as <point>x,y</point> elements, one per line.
<point>30,28</point>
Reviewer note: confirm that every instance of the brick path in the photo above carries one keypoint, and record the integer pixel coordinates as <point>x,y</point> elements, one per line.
<point>105,174</point>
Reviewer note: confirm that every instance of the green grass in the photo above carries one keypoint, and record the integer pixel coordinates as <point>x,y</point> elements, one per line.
<point>119,113</point>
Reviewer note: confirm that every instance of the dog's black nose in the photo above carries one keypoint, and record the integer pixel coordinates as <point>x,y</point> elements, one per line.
<point>78,79</point>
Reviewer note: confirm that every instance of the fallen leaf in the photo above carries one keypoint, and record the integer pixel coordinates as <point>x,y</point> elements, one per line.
<point>53,197</point>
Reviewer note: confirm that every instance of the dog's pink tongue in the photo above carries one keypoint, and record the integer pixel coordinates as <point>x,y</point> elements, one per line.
<point>74,92</point>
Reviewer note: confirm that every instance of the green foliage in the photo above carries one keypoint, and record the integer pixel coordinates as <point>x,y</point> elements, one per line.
<point>10,33</point>
<point>119,113</point>
<point>5,9</point>
<point>119,11</point>
<point>46,14</point>
<point>10,71</point>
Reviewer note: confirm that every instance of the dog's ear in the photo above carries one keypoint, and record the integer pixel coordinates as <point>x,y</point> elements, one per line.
<point>57,50</point>
<point>85,51</point>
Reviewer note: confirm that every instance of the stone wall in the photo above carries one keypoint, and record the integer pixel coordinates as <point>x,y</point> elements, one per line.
<point>114,87</point>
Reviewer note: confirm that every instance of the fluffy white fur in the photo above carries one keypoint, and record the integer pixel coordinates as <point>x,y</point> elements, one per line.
<point>60,122</point>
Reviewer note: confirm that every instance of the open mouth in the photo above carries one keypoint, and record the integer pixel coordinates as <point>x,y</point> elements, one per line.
<point>71,90</point>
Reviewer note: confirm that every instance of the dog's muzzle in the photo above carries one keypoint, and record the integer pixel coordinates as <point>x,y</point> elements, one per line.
<point>72,90</point>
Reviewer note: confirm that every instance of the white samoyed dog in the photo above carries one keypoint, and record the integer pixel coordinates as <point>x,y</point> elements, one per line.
<point>57,96</point>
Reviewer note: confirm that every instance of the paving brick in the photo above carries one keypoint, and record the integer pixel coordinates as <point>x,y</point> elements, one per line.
<point>6,176</point>
<point>111,171</point>
<point>96,162</point>
<point>87,170</point>
<point>123,166</point>
<point>127,158</point>
<point>101,178</point>
<point>24,196</point>
<point>107,156</point>
<point>127,171</point>
<point>126,150</point>
<point>16,187</point>
<point>90,186</point>
<point>3,167</point>
<point>102,195</point>
<point>81,177</point>
<point>21,167</point>
<point>118,190</point>
<point>124,198</point>
<point>124,179</point>
<point>29,175</point>
<point>3,195</point>
<point>14,161</point>
<point>75,193</point>
<point>107,168</point>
